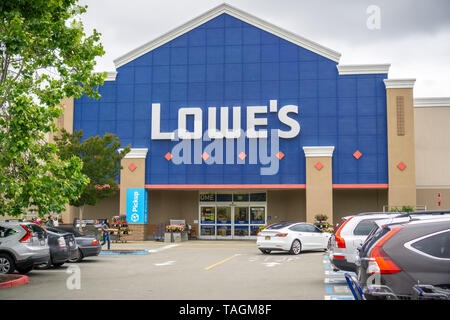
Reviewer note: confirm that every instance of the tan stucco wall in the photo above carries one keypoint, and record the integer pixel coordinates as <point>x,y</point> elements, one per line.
<point>432,136</point>
<point>164,205</point>
<point>319,190</point>
<point>402,184</point>
<point>105,209</point>
<point>349,202</point>
<point>432,130</point>
<point>429,198</point>
<point>130,179</point>
<point>286,205</point>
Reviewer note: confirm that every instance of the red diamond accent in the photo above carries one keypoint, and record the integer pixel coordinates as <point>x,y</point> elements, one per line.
<point>357,154</point>
<point>318,165</point>
<point>280,155</point>
<point>401,165</point>
<point>168,156</point>
<point>205,156</point>
<point>132,167</point>
<point>242,156</point>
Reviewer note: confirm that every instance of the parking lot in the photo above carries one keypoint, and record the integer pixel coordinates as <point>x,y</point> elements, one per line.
<point>187,270</point>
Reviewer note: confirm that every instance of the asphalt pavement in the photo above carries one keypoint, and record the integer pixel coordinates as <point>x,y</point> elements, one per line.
<point>193,270</point>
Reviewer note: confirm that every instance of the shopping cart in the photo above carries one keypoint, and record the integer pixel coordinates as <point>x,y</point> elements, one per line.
<point>421,291</point>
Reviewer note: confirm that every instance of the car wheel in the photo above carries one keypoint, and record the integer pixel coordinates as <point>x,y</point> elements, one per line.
<point>6,264</point>
<point>296,247</point>
<point>25,270</point>
<point>78,257</point>
<point>265,251</point>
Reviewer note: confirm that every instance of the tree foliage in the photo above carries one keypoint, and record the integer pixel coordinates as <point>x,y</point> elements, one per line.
<point>101,163</point>
<point>45,56</point>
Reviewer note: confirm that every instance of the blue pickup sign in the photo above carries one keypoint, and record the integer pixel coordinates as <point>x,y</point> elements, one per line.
<point>137,205</point>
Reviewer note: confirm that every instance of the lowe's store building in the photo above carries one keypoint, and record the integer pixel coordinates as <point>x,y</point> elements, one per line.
<point>236,123</point>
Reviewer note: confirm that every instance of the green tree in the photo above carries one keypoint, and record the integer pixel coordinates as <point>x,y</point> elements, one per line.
<point>101,163</point>
<point>45,56</point>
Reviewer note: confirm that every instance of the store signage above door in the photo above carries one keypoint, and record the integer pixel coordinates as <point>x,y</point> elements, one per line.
<point>254,116</point>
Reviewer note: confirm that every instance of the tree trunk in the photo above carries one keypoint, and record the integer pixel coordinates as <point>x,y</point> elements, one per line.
<point>80,218</point>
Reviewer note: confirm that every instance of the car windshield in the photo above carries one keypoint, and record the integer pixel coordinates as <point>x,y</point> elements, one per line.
<point>280,225</point>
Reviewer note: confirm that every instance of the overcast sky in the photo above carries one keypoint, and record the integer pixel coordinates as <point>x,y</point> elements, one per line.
<point>414,35</point>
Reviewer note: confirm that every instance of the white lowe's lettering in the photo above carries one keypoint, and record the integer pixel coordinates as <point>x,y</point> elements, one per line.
<point>253,121</point>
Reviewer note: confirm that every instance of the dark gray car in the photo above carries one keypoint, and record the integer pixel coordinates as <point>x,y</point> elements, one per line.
<point>63,248</point>
<point>403,254</point>
<point>88,244</point>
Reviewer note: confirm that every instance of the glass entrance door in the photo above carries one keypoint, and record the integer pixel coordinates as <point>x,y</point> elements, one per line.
<point>208,222</point>
<point>232,215</point>
<point>224,224</point>
<point>241,222</point>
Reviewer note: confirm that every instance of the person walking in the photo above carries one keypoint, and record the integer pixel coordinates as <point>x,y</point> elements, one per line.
<point>106,237</point>
<point>49,222</point>
<point>55,222</point>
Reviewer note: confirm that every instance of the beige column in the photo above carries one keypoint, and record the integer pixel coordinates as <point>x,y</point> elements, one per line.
<point>401,147</point>
<point>132,175</point>
<point>319,184</point>
<point>65,121</point>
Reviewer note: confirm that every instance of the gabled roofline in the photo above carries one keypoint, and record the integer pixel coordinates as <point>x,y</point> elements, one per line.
<point>238,14</point>
<point>363,68</point>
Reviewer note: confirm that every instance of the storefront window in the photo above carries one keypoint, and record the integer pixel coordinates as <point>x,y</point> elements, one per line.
<point>240,197</point>
<point>207,230</point>
<point>254,230</point>
<point>224,215</point>
<point>208,215</point>
<point>241,215</point>
<point>224,197</point>
<point>257,215</point>
<point>258,197</point>
<point>223,231</point>
<point>241,231</point>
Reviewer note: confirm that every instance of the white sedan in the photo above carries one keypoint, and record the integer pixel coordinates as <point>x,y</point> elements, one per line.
<point>293,237</point>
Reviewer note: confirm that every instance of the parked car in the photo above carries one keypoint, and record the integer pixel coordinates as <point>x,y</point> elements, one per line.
<point>23,245</point>
<point>88,244</point>
<point>400,255</point>
<point>350,234</point>
<point>293,237</point>
<point>63,248</point>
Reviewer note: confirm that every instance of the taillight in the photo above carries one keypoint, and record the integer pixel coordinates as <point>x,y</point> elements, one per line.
<point>339,240</point>
<point>27,237</point>
<point>379,261</point>
<point>95,242</point>
<point>281,235</point>
<point>61,242</point>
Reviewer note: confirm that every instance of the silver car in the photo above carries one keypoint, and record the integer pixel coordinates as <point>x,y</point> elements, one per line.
<point>351,234</point>
<point>23,245</point>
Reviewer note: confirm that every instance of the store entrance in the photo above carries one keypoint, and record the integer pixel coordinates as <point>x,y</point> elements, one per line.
<point>237,218</point>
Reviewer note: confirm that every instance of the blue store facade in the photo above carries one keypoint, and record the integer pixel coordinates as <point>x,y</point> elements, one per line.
<point>230,107</point>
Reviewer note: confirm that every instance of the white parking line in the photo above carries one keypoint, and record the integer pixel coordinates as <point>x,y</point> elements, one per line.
<point>339,298</point>
<point>167,263</point>
<point>335,280</point>
<point>163,248</point>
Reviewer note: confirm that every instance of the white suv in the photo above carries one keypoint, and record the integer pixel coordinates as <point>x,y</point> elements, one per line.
<point>23,245</point>
<point>350,234</point>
